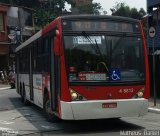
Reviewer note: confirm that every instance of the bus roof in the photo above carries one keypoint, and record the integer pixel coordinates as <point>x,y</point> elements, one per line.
<point>73,17</point>
<point>118,18</point>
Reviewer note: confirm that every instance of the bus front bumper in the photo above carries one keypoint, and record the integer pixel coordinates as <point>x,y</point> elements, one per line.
<point>81,110</point>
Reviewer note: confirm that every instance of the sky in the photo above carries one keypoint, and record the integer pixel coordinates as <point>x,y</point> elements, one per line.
<point>107,4</point>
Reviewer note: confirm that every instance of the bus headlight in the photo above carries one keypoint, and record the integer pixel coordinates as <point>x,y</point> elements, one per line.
<point>139,94</point>
<point>76,96</point>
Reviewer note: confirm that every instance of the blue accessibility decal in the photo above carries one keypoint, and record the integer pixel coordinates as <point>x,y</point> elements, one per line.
<point>115,74</point>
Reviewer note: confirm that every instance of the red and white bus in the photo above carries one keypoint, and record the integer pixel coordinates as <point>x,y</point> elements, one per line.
<point>85,67</point>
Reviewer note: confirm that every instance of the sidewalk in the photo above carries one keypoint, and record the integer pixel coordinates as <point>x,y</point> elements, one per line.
<point>152,108</point>
<point>4,86</point>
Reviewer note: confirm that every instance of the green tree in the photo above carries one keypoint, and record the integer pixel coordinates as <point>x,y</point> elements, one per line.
<point>134,13</point>
<point>142,12</point>
<point>48,11</point>
<point>93,8</point>
<point>121,9</point>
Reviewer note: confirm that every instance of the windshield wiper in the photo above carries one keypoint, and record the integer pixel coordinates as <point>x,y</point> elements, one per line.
<point>94,46</point>
<point>97,48</point>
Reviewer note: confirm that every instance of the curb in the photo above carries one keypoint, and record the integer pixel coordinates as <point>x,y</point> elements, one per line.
<point>4,88</point>
<point>154,110</point>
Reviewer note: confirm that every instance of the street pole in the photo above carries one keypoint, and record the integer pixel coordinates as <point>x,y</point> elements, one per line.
<point>152,33</point>
<point>155,94</point>
<point>154,83</point>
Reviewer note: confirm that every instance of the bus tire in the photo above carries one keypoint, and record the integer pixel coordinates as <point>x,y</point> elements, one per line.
<point>47,110</point>
<point>24,100</point>
<point>21,92</point>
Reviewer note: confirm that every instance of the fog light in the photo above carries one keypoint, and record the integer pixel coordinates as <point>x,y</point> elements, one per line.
<point>80,97</point>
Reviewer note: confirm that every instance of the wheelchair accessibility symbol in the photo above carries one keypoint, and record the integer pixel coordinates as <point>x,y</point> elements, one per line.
<point>115,75</point>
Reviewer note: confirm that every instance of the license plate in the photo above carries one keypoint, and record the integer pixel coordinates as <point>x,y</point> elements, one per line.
<point>109,105</point>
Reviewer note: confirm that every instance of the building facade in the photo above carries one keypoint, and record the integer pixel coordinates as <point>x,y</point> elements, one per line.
<point>4,43</point>
<point>153,44</point>
<point>153,9</point>
<point>16,25</point>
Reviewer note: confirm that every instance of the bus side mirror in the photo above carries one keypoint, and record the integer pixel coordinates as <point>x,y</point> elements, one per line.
<point>57,50</point>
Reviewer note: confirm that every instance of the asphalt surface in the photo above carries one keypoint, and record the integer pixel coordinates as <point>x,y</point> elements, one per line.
<point>18,119</point>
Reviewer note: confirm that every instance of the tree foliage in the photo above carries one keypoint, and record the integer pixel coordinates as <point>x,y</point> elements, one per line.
<point>93,8</point>
<point>47,10</point>
<point>121,9</point>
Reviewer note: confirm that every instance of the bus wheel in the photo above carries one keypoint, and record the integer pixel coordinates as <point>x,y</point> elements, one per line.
<point>47,110</point>
<point>21,93</point>
<point>24,100</point>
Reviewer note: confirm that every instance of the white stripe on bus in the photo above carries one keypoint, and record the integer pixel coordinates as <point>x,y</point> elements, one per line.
<point>30,40</point>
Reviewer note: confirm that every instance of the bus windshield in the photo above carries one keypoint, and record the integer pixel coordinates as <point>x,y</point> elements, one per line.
<point>102,58</point>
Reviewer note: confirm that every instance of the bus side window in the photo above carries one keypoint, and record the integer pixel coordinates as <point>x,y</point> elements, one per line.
<point>35,52</point>
<point>41,53</point>
<point>20,61</point>
<point>26,61</point>
<point>39,62</point>
<point>45,55</point>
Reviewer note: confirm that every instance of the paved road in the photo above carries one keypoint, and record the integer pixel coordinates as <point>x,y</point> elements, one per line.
<point>17,119</point>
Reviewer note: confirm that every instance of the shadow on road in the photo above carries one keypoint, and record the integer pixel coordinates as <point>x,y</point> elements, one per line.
<point>93,126</point>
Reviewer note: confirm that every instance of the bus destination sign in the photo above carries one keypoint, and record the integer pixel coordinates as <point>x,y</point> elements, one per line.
<point>100,26</point>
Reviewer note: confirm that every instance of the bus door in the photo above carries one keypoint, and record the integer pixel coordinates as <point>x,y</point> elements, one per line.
<point>55,77</point>
<point>31,74</point>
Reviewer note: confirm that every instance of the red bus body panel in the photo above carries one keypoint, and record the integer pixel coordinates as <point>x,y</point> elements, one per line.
<point>147,88</point>
<point>107,92</point>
